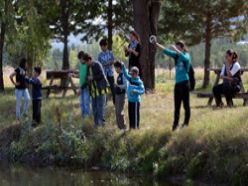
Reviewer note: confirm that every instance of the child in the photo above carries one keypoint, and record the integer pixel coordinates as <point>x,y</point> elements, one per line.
<point>106,58</point>
<point>120,93</point>
<point>134,91</point>
<point>98,88</point>
<point>36,95</point>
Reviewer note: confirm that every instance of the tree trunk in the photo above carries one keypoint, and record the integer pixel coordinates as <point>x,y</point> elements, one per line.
<point>110,24</point>
<point>65,26</point>
<point>141,25</point>
<point>66,64</point>
<point>154,15</point>
<point>208,38</point>
<point>146,13</point>
<point>2,38</point>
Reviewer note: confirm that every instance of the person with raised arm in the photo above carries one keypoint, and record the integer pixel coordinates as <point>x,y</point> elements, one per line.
<point>180,53</point>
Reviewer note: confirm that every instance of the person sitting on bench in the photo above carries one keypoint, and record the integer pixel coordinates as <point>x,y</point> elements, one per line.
<point>231,76</point>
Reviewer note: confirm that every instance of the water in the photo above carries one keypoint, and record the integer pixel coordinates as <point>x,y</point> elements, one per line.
<point>29,176</point>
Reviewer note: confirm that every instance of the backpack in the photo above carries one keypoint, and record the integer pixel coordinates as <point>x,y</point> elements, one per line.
<point>191,73</point>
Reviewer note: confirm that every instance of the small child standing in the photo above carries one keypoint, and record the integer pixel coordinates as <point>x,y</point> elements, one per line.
<point>134,91</point>
<point>120,94</point>
<point>36,95</point>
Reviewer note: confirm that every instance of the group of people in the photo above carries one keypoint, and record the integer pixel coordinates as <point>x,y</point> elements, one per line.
<point>97,81</point>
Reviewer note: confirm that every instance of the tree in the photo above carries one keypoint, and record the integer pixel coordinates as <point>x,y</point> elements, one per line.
<point>110,15</point>
<point>146,13</point>
<point>31,39</point>
<point>65,17</point>
<point>197,22</point>
<point>6,26</point>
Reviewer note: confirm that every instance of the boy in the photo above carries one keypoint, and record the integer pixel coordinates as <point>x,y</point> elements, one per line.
<point>98,88</point>
<point>36,95</point>
<point>134,91</point>
<point>106,58</point>
<point>120,94</point>
<point>84,90</point>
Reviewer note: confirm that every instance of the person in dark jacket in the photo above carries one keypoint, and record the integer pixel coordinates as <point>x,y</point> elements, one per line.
<point>36,95</point>
<point>98,88</point>
<point>120,94</point>
<point>231,76</point>
<point>21,89</point>
<point>133,52</point>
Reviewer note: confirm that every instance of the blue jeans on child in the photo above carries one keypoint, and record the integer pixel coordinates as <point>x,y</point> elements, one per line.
<point>85,102</point>
<point>98,106</point>
<point>19,93</point>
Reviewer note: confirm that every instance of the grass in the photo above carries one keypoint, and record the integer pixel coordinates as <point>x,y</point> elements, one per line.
<point>214,148</point>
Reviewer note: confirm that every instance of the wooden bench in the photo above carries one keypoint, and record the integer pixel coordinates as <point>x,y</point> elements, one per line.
<point>241,95</point>
<point>60,75</point>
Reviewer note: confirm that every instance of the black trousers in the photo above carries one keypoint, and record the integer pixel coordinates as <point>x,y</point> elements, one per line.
<point>111,81</point>
<point>37,111</point>
<point>181,94</point>
<point>134,114</point>
<point>223,89</point>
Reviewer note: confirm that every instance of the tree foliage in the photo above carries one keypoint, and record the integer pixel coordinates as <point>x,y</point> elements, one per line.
<point>203,21</point>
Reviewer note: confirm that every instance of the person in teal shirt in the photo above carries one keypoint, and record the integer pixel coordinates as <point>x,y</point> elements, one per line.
<point>179,52</point>
<point>84,90</point>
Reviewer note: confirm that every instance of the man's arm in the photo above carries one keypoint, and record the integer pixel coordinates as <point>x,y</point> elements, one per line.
<point>11,77</point>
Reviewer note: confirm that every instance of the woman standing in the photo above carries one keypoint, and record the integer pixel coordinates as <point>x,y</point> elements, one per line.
<point>133,52</point>
<point>21,88</point>
<point>180,53</point>
<point>231,76</point>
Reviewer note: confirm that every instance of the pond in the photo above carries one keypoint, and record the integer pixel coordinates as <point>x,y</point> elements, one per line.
<point>29,176</point>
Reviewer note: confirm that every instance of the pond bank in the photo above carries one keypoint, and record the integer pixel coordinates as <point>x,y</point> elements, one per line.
<point>155,153</point>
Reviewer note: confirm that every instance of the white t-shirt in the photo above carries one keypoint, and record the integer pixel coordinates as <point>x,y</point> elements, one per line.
<point>236,67</point>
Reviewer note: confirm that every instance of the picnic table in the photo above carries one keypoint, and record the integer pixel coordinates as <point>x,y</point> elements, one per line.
<point>241,95</point>
<point>53,75</point>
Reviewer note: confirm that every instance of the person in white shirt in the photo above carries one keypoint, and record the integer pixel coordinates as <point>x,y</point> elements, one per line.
<point>231,75</point>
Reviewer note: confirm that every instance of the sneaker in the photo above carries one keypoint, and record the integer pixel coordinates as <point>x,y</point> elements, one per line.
<point>174,128</point>
<point>184,125</point>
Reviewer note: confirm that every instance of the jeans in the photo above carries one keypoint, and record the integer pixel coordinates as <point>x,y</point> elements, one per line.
<point>181,94</point>
<point>85,102</point>
<point>98,106</point>
<point>19,93</point>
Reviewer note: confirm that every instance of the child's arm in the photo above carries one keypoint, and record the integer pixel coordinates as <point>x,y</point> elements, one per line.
<point>124,70</point>
<point>140,89</point>
<point>32,81</point>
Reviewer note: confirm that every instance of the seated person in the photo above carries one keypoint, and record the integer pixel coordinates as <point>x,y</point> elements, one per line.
<point>231,76</point>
